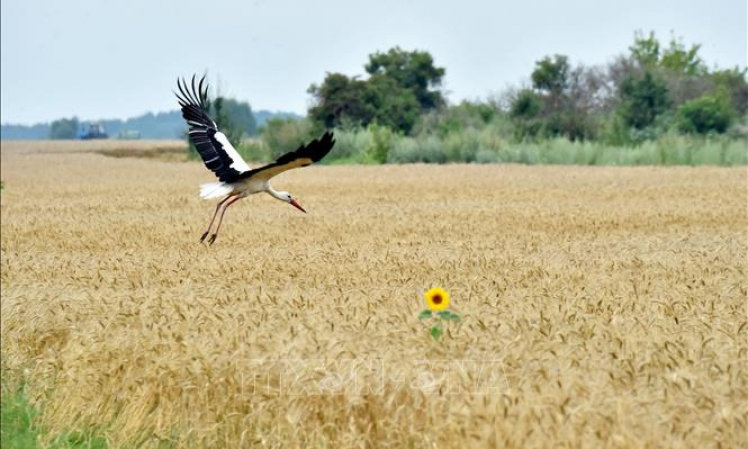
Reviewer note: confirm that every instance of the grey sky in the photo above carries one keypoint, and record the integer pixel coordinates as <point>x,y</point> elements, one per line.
<point>117,59</point>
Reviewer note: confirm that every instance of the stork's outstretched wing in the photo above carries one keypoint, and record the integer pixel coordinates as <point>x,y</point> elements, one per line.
<point>212,145</point>
<point>303,156</point>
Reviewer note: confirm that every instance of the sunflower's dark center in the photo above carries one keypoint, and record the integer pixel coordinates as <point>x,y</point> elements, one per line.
<point>437,299</point>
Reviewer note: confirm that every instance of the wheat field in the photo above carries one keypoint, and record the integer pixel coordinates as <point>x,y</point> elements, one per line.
<point>601,307</point>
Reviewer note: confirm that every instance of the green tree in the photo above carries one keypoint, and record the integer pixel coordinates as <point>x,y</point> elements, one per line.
<point>706,114</point>
<point>414,71</point>
<point>394,107</point>
<point>642,100</point>
<point>732,84</point>
<point>382,99</point>
<point>239,113</point>
<point>648,53</point>
<point>551,78</point>
<point>65,128</point>
<point>524,110</point>
<point>679,59</point>
<point>551,74</point>
<point>230,116</point>
<point>526,104</point>
<point>340,99</point>
<point>562,101</point>
<point>645,50</point>
<point>681,68</point>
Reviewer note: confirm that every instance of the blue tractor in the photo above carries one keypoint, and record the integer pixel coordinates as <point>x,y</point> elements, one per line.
<point>92,131</point>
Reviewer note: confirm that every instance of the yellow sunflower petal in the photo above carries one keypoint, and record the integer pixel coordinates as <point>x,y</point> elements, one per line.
<point>437,299</point>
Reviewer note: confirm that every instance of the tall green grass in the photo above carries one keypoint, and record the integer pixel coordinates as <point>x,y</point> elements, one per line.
<point>492,144</point>
<point>473,146</point>
<point>17,430</point>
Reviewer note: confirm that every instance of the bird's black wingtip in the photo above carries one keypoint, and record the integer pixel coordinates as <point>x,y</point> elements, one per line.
<point>328,137</point>
<point>327,141</point>
<point>196,96</point>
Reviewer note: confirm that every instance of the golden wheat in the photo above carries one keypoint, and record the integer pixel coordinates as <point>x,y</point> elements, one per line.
<point>607,306</point>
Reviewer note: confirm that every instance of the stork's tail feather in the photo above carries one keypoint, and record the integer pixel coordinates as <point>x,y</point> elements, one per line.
<point>215,190</point>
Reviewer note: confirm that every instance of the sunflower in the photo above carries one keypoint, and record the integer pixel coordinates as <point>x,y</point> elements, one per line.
<point>437,299</point>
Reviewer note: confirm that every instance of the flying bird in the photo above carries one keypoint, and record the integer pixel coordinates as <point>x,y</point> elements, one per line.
<point>236,180</point>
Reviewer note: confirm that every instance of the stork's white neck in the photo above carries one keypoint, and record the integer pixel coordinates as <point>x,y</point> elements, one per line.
<point>283,196</point>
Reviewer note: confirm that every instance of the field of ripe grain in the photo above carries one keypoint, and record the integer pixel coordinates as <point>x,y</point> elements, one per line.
<point>601,307</point>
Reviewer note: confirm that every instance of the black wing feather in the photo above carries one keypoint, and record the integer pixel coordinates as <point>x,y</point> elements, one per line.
<point>307,154</point>
<point>202,131</point>
<point>314,150</point>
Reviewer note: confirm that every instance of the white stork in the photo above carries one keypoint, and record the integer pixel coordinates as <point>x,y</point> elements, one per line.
<point>236,179</point>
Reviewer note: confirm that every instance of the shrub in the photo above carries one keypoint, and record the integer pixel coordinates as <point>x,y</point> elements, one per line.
<point>486,156</point>
<point>254,150</point>
<point>456,118</point>
<point>404,150</point>
<point>350,145</point>
<point>705,115</point>
<point>461,147</point>
<point>381,143</point>
<point>284,135</point>
<point>526,104</point>
<point>430,150</point>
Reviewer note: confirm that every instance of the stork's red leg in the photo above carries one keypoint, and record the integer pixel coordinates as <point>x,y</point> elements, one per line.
<point>218,206</point>
<point>233,200</point>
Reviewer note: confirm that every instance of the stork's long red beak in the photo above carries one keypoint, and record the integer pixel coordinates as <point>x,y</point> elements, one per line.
<point>295,204</point>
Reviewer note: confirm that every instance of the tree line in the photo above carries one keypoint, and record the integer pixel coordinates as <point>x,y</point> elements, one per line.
<point>653,104</point>
<point>236,116</point>
<point>650,90</point>
<point>397,111</point>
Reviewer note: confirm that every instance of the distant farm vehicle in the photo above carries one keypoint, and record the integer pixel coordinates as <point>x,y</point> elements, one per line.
<point>128,135</point>
<point>92,131</point>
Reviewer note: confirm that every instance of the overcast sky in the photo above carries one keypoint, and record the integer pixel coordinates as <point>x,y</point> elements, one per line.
<point>120,58</point>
